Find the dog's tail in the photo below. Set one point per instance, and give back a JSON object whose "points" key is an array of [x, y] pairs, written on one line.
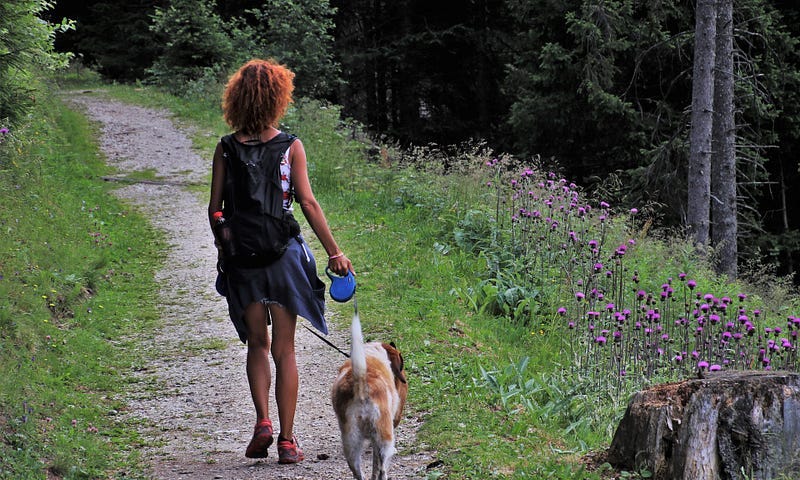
{"points": [[358, 358]]}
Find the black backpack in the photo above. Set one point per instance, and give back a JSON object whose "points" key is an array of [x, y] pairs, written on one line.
{"points": [[260, 228]]}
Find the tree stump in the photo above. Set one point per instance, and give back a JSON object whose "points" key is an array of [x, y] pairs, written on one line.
{"points": [[728, 425]]}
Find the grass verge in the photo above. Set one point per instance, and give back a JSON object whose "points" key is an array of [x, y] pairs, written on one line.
{"points": [[76, 278]]}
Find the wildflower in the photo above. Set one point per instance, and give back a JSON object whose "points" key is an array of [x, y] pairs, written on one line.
{"points": [[678, 358], [579, 296], [714, 368], [702, 364], [617, 335], [682, 276], [561, 311], [634, 211], [3, 130], [742, 297], [601, 340], [691, 284], [604, 205], [571, 325]]}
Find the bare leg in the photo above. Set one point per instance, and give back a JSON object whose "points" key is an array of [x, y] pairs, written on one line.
{"points": [[259, 375], [286, 376]]}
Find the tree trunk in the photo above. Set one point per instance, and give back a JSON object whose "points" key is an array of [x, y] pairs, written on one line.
{"points": [[729, 425], [699, 182], [724, 227]]}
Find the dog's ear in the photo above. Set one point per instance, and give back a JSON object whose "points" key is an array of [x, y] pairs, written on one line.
{"points": [[396, 361]]}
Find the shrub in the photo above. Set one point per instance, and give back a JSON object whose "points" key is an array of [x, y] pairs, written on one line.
{"points": [[26, 44]]}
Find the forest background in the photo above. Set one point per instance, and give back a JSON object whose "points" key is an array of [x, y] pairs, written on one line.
{"points": [[593, 92], [600, 91]]}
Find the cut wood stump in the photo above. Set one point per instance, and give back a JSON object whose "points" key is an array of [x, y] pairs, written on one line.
{"points": [[728, 425]]}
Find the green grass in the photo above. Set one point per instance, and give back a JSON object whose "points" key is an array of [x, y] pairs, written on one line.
{"points": [[76, 279]]}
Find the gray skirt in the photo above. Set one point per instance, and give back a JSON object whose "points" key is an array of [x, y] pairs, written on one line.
{"points": [[290, 282]]}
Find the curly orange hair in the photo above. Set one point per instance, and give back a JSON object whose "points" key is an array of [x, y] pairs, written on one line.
{"points": [[257, 96]]}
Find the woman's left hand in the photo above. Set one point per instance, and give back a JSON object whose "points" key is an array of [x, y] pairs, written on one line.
{"points": [[340, 265]]}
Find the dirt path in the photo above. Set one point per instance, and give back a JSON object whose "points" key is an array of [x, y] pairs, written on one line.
{"points": [[192, 399]]}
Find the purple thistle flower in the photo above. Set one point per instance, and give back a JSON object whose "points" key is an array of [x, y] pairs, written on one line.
{"points": [[634, 211], [3, 130], [702, 364], [561, 311], [601, 340], [678, 358], [579, 296], [571, 325], [691, 284], [604, 205], [714, 368]]}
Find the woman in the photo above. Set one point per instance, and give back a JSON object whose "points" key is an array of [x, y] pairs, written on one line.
{"points": [[255, 99]]}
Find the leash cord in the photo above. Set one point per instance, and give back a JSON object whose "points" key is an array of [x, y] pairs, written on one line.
{"points": [[355, 307], [327, 341], [347, 355]]}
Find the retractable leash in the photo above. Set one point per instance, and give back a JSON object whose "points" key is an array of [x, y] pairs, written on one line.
{"points": [[343, 288]]}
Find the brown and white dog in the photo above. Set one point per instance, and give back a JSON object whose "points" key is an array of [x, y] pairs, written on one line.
{"points": [[368, 396]]}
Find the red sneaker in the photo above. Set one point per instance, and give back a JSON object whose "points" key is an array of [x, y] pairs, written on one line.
{"points": [[262, 439], [289, 451]]}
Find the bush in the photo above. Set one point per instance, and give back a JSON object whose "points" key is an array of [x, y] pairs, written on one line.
{"points": [[26, 44], [197, 51]]}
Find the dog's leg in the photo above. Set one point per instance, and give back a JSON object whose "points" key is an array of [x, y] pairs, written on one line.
{"points": [[353, 447], [382, 452]]}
